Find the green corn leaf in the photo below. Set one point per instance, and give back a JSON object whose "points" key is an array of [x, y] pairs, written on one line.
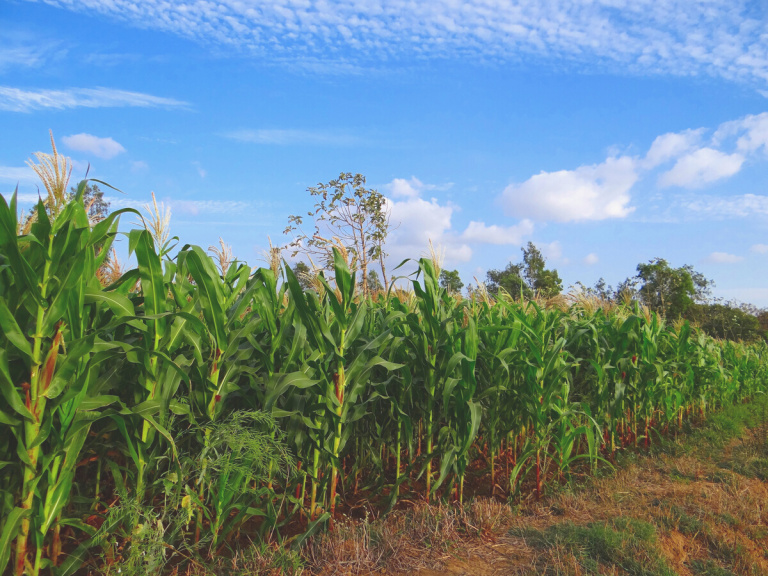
{"points": [[10, 530], [12, 331], [151, 274], [210, 295], [345, 280], [8, 390], [118, 303]]}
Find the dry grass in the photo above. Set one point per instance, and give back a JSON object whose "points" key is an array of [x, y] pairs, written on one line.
{"points": [[423, 537], [699, 508]]}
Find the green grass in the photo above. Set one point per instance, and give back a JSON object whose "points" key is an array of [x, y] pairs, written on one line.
{"points": [[709, 568], [624, 543]]}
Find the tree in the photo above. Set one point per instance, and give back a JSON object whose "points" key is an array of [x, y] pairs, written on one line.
{"points": [[374, 284], [95, 204], [510, 280], [542, 281], [303, 274], [345, 214], [671, 291], [726, 321], [450, 280], [526, 278], [600, 290]]}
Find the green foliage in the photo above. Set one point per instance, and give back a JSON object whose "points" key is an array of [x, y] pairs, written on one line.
{"points": [[726, 322], [670, 291], [374, 284], [346, 215], [303, 274], [528, 278], [625, 544], [451, 281], [510, 280]]}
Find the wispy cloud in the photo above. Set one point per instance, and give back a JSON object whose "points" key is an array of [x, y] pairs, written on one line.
{"points": [[291, 137], [412, 187], [739, 206], [723, 38], [190, 207], [17, 174], [484, 234], [21, 49], [20, 100], [723, 258], [105, 148]]}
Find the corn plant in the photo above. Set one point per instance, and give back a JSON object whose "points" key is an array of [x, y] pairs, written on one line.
{"points": [[51, 354]]}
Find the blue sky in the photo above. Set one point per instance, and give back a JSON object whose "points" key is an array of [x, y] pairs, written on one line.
{"points": [[606, 132]]}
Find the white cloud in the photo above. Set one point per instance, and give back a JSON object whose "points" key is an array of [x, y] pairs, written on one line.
{"points": [[415, 221], [105, 148], [291, 137], [590, 259], [481, 233], [553, 251], [670, 146], [17, 174], [703, 166], [751, 132], [139, 166], [723, 258], [729, 207], [721, 38], [595, 192], [402, 188], [759, 248], [602, 191], [19, 100], [202, 172]]}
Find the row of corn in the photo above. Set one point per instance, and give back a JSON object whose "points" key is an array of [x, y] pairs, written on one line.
{"points": [[125, 390]]}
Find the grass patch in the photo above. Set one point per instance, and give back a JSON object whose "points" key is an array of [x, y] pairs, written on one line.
{"points": [[709, 568], [625, 543]]}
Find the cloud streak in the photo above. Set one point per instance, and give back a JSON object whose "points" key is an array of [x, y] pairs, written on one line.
{"points": [[723, 258], [281, 137], [721, 38], [17, 174], [105, 148], [20, 100]]}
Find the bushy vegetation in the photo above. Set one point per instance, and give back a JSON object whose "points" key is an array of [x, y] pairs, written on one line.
{"points": [[181, 405]]}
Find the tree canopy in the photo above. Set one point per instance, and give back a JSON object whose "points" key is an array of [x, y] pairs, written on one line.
{"points": [[670, 291], [345, 214], [527, 278], [451, 281]]}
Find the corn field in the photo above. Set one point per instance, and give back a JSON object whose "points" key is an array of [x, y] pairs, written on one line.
{"points": [[244, 406]]}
